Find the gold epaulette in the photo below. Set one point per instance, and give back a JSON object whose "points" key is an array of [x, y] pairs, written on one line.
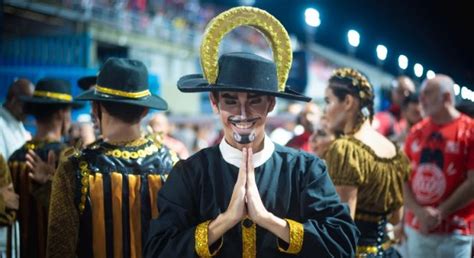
{"points": [[69, 152], [73, 151]]}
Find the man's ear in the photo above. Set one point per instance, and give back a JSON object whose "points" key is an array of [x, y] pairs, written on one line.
{"points": [[95, 108], [447, 97], [214, 103], [272, 101]]}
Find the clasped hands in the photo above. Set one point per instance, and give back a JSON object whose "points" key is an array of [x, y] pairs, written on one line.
{"points": [[246, 203], [245, 200]]}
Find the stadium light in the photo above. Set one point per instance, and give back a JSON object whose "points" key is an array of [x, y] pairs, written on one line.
{"points": [[456, 89], [353, 38], [381, 52], [430, 74], [311, 17], [403, 62], [418, 69]]}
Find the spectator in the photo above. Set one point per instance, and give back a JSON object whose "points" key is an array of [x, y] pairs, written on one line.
{"points": [[308, 117], [411, 111], [391, 122], [440, 191], [159, 124], [12, 132]]}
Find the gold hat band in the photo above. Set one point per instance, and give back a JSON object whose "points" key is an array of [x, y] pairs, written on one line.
{"points": [[52, 95], [120, 93]]}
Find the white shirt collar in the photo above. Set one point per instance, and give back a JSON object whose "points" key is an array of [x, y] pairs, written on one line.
{"points": [[234, 156]]}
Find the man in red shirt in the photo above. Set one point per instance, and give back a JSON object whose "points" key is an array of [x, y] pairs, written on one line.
{"points": [[308, 117], [440, 190], [391, 122]]}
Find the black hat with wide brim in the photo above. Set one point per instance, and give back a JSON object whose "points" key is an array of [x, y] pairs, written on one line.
{"points": [[52, 91], [123, 80], [87, 82], [241, 72]]}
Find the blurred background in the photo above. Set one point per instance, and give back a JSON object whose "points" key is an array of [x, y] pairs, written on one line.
{"points": [[383, 39]]}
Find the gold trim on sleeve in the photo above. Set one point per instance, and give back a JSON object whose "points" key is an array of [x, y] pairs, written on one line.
{"points": [[253, 17], [121, 93], [296, 237], [201, 245], [52, 95]]}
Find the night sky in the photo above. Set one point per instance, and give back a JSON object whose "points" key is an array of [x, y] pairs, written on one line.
{"points": [[434, 34]]}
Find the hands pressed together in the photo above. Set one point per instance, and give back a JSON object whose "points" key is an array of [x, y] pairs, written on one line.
{"points": [[247, 203], [245, 200]]}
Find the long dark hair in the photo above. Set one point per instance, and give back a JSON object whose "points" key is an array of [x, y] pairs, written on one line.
{"points": [[348, 81]]}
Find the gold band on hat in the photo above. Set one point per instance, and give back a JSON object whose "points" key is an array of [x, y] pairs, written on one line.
{"points": [[120, 93], [253, 17], [52, 95]]}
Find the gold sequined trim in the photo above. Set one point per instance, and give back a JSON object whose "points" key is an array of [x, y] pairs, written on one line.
{"points": [[120, 93], [85, 172], [249, 240], [363, 251], [53, 95], [124, 154], [201, 245], [256, 18], [296, 237]]}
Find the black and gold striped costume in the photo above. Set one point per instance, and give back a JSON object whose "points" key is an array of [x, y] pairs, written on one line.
{"points": [[104, 197], [34, 198], [7, 216]]}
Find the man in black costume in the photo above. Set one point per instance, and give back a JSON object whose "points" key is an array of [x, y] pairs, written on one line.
{"points": [[248, 197]]}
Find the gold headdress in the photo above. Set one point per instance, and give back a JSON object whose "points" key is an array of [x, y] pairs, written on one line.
{"points": [[253, 17], [358, 80]]}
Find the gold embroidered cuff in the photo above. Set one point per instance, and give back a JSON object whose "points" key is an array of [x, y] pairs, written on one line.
{"points": [[201, 244], [296, 237]]}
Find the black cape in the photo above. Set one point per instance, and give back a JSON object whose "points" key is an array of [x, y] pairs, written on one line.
{"points": [[292, 184]]}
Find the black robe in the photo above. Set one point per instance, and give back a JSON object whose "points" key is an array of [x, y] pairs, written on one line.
{"points": [[292, 184]]}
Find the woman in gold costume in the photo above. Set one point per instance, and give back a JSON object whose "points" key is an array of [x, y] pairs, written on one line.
{"points": [[367, 169]]}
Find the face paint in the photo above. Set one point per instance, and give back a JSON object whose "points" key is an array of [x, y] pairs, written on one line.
{"points": [[243, 130]]}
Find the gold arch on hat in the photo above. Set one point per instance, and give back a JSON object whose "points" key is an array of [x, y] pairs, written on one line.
{"points": [[253, 17]]}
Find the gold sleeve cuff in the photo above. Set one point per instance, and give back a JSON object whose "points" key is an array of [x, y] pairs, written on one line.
{"points": [[296, 238], [201, 240]]}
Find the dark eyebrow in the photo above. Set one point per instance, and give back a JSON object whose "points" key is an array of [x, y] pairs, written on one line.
{"points": [[253, 96], [228, 96]]}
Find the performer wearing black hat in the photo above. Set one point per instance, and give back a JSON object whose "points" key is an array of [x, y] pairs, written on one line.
{"points": [[87, 82], [33, 164], [248, 197], [104, 196]]}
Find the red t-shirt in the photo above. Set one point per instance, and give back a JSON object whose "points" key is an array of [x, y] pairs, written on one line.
{"points": [[300, 142], [441, 156]]}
